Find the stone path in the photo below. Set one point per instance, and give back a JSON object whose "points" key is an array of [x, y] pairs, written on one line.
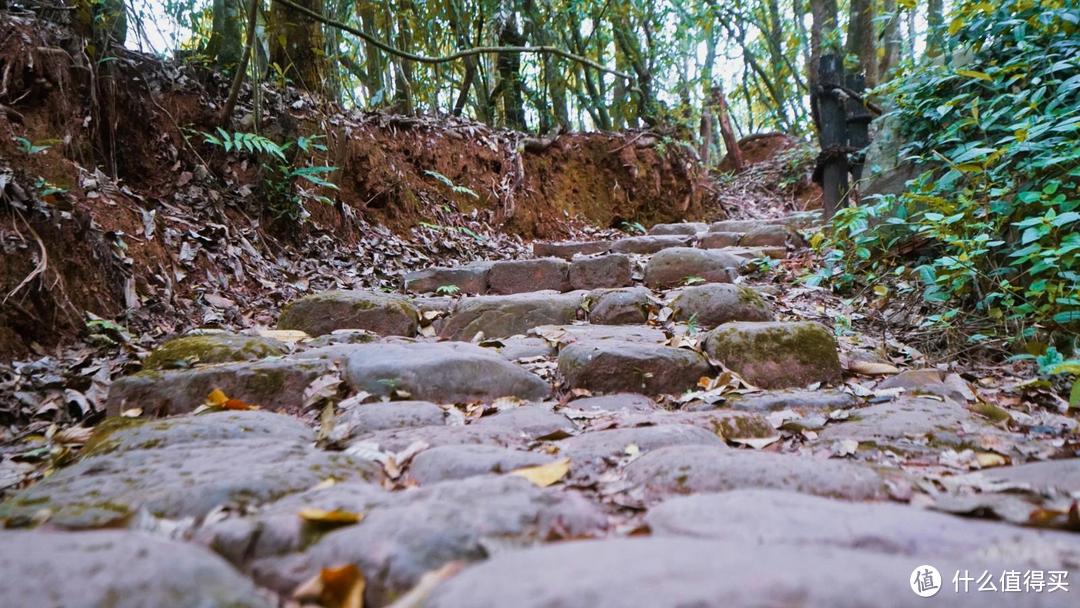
{"points": [[538, 432]]}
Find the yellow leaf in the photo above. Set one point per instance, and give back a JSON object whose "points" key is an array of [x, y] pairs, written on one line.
{"points": [[337, 517], [817, 239], [337, 587], [989, 459], [217, 397], [974, 74], [289, 336], [546, 474], [870, 368], [881, 290]]}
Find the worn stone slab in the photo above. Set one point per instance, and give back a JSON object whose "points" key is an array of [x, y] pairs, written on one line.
{"points": [[442, 372], [118, 569], [322, 313], [595, 447], [461, 461], [909, 424], [930, 382], [627, 306], [504, 316], [396, 440], [615, 366], [568, 249], [277, 529], [606, 271], [186, 351], [569, 334], [673, 267], [366, 418], [772, 235], [1048, 477], [736, 225], [719, 303], [681, 228], [271, 384], [521, 276], [645, 245], [530, 422], [694, 469], [776, 354], [619, 402], [121, 434], [343, 336], [464, 519], [678, 572], [176, 481], [718, 240], [470, 279], [778, 517], [796, 399], [523, 347]]}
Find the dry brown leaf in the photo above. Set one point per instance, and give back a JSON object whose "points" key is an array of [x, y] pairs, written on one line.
{"points": [[336, 587], [546, 474], [218, 398]]}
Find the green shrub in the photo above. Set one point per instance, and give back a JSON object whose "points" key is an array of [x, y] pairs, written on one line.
{"points": [[989, 233]]}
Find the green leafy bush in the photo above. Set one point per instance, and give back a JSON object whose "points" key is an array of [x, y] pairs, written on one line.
{"points": [[989, 233]]}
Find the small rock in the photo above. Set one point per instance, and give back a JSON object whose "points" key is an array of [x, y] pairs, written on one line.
{"points": [[462, 461], [597, 446], [606, 271], [718, 240], [271, 384], [212, 348], [619, 402], [521, 276], [649, 244], [776, 355], [568, 249], [568, 334], [674, 267], [361, 419], [794, 399], [683, 228], [716, 304], [690, 469], [628, 306], [530, 422], [322, 313], [504, 316], [909, 424], [621, 366], [523, 347], [470, 279], [443, 372], [774, 235], [931, 382]]}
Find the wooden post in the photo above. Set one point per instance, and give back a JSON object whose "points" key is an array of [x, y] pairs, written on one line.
{"points": [[832, 135], [730, 142], [858, 124]]}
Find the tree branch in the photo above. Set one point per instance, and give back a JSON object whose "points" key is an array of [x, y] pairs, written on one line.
{"points": [[480, 50]]}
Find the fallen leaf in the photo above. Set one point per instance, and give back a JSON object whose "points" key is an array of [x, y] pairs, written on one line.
{"points": [[218, 398], [844, 447], [417, 596], [546, 474], [990, 459], [336, 587], [755, 442], [336, 517], [289, 336]]}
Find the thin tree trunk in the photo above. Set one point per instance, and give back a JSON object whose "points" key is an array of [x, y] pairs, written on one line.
{"points": [[860, 39], [510, 75], [730, 141], [935, 43], [226, 38], [890, 40], [296, 44]]}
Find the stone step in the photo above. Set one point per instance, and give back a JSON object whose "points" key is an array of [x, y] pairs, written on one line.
{"points": [[613, 366], [442, 372], [679, 266], [673, 571], [521, 276], [776, 354]]}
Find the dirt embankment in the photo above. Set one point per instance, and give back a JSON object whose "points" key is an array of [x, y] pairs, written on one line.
{"points": [[112, 204]]}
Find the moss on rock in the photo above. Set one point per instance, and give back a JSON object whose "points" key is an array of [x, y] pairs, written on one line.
{"points": [[212, 348]]}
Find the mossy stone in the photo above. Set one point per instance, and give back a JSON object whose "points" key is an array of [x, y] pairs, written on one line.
{"points": [[212, 348], [322, 313], [776, 355]]}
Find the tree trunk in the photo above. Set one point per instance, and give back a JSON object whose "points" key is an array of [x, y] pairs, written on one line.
{"points": [[226, 41], [890, 40], [296, 45], [822, 39], [860, 39], [509, 65], [730, 142], [935, 42], [403, 68]]}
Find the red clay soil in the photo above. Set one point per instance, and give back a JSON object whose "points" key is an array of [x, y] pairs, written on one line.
{"points": [[133, 210]]}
